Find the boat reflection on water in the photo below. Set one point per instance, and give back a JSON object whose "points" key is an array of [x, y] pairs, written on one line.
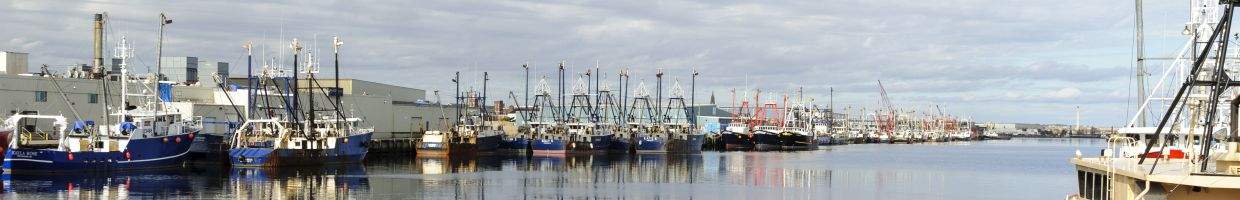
{"points": [[342, 181], [118, 185], [839, 172]]}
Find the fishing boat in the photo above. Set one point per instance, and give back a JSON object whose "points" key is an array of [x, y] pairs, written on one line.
{"points": [[481, 124], [475, 131], [684, 139], [736, 137], [584, 138], [551, 141], [148, 133], [823, 132], [795, 139], [1189, 151], [650, 138], [679, 125], [737, 134], [582, 122], [545, 122], [623, 140], [796, 128], [436, 142], [514, 139], [518, 143], [463, 140], [55, 149], [766, 138], [609, 118], [299, 134]]}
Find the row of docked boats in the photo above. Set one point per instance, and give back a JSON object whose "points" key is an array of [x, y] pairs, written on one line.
{"points": [[797, 124], [282, 126], [592, 118]]}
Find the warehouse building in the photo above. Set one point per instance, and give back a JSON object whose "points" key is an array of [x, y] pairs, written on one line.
{"points": [[394, 111]]}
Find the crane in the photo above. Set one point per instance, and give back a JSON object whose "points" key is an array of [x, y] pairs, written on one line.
{"points": [[887, 124]]}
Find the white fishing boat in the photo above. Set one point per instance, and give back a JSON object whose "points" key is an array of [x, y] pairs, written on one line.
{"points": [[1189, 152]]}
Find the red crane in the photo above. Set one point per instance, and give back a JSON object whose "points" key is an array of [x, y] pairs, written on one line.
{"points": [[886, 124]]}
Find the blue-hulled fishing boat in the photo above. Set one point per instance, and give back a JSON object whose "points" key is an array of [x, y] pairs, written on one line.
{"points": [[302, 134]]}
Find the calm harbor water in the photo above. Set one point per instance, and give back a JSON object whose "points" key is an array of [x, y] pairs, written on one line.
{"points": [[1011, 169]]}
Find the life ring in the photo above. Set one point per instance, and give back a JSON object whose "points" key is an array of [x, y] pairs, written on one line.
{"points": [[70, 156], [178, 139], [127, 156]]}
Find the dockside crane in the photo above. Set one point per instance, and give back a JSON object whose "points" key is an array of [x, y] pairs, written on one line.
{"points": [[886, 123]]}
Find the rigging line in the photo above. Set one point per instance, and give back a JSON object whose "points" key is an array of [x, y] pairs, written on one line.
{"points": [[76, 115]]}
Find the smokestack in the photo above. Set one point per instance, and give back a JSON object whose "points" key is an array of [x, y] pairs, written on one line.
{"points": [[98, 45]]}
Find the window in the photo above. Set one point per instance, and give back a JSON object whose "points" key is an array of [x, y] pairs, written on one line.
{"points": [[40, 96], [92, 98]]}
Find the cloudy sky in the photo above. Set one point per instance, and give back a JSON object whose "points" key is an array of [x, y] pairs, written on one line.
{"points": [[1002, 61]]}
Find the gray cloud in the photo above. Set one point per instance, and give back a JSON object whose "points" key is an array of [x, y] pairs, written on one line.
{"points": [[971, 53]]}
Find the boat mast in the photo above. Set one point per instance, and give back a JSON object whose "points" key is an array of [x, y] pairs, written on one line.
{"points": [[310, 85], [249, 79], [456, 81], [336, 90], [482, 103], [526, 95], [159, 53], [295, 87], [124, 52], [562, 115], [624, 92], [1140, 68], [658, 97], [693, 99]]}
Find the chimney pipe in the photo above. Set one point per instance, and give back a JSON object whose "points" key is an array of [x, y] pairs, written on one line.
{"points": [[98, 34]]}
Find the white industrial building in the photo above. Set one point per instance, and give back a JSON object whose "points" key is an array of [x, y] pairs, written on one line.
{"points": [[14, 62], [394, 111]]}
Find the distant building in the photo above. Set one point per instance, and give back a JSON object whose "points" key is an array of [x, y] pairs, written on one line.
{"points": [[192, 70], [14, 63], [207, 70], [179, 69]]}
